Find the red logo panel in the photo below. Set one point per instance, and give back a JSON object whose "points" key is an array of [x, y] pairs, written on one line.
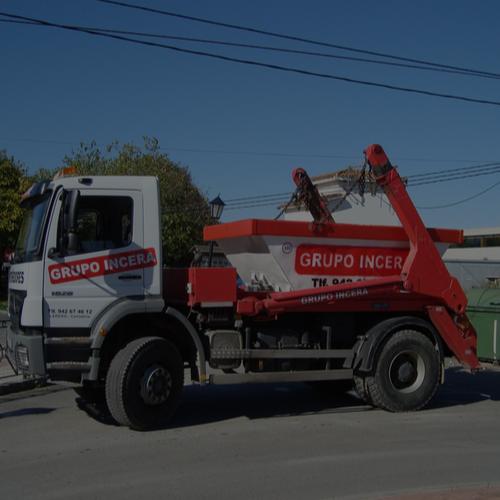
{"points": [[324, 260], [100, 266]]}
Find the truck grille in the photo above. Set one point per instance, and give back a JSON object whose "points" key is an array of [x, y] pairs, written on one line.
{"points": [[16, 301]]}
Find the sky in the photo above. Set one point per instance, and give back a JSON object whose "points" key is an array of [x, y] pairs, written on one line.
{"points": [[242, 129]]}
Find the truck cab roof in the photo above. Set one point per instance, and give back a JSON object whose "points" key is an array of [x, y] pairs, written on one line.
{"points": [[106, 182]]}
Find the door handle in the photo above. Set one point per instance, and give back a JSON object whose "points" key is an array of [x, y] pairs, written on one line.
{"points": [[129, 277]]}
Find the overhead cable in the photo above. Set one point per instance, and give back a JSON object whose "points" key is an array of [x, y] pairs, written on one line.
{"points": [[276, 67], [265, 48], [292, 37], [459, 202], [252, 153], [421, 179]]}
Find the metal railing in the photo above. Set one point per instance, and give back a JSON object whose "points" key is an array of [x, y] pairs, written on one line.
{"points": [[4, 323]]}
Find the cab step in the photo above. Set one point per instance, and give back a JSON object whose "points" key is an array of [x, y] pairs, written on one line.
{"points": [[69, 365], [68, 341]]}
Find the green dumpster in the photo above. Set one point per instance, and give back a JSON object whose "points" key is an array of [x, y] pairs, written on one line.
{"points": [[483, 311]]}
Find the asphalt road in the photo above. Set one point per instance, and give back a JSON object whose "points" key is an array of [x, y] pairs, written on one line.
{"points": [[256, 442]]}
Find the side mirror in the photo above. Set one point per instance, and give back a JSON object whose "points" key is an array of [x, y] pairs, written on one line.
{"points": [[69, 229], [53, 253]]}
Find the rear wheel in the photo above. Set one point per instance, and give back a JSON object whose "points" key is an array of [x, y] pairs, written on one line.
{"points": [[144, 383], [407, 372]]}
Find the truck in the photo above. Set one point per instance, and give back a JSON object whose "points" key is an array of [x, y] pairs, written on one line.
{"points": [[346, 305]]}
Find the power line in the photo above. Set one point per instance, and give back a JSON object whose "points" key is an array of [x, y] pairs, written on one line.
{"points": [[455, 178], [424, 179], [261, 205], [292, 37], [264, 47], [257, 199], [249, 62], [261, 196], [432, 207], [284, 200], [274, 198], [255, 153], [468, 168], [264, 153], [459, 202], [446, 176]]}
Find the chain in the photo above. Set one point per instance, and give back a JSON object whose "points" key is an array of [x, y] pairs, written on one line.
{"points": [[293, 199], [360, 181]]}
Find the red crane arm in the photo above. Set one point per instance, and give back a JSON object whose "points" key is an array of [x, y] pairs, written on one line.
{"points": [[424, 277], [308, 194]]}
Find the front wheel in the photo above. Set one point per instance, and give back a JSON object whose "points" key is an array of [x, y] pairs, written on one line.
{"points": [[92, 394], [407, 372], [360, 384], [144, 383]]}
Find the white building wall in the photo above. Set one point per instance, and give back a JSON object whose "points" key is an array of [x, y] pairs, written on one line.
{"points": [[473, 267], [355, 209]]}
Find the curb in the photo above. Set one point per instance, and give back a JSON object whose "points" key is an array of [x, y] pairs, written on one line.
{"points": [[21, 385]]}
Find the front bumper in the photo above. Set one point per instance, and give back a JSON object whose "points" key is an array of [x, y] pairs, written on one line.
{"points": [[25, 353]]}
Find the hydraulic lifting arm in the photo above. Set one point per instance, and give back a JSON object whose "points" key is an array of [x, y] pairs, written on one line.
{"points": [[424, 271], [308, 194], [424, 277]]}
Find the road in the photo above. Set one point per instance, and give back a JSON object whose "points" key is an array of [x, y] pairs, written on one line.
{"points": [[255, 442]]}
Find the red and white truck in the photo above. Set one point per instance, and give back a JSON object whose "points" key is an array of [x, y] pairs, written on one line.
{"points": [[90, 303]]}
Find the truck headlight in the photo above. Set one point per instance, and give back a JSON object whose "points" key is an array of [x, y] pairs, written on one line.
{"points": [[22, 357]]}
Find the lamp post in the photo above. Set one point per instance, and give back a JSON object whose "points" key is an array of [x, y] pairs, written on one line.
{"points": [[216, 209]]}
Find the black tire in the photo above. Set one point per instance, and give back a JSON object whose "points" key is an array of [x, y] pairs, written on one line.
{"points": [[144, 383], [361, 388], [407, 372], [91, 393]]}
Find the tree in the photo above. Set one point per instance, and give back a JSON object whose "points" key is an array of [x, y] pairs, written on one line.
{"points": [[13, 182], [184, 208]]}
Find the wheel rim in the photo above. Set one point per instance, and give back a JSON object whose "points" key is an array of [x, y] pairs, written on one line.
{"points": [[156, 385], [407, 371]]}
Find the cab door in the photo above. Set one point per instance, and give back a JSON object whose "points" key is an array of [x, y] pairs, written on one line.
{"points": [[107, 265]]}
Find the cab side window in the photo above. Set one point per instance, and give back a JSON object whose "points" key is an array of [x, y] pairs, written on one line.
{"points": [[104, 222]]}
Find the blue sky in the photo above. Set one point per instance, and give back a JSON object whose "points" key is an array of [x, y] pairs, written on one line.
{"points": [[59, 88]]}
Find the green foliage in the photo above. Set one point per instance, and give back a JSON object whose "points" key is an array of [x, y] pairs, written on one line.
{"points": [[184, 208], [13, 182]]}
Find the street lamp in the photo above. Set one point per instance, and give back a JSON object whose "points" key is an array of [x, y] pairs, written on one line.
{"points": [[216, 209]]}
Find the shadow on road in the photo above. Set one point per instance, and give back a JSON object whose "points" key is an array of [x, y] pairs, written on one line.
{"points": [[203, 405], [26, 411], [462, 388]]}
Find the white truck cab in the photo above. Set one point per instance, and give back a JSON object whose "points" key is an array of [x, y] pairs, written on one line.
{"points": [[84, 254]]}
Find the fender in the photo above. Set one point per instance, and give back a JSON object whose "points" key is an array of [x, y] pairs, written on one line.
{"points": [[202, 366], [368, 346], [109, 317]]}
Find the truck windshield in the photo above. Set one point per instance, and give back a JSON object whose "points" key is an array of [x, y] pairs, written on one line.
{"points": [[28, 241]]}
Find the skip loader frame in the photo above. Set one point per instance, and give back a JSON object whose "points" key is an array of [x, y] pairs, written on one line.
{"points": [[424, 286]]}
